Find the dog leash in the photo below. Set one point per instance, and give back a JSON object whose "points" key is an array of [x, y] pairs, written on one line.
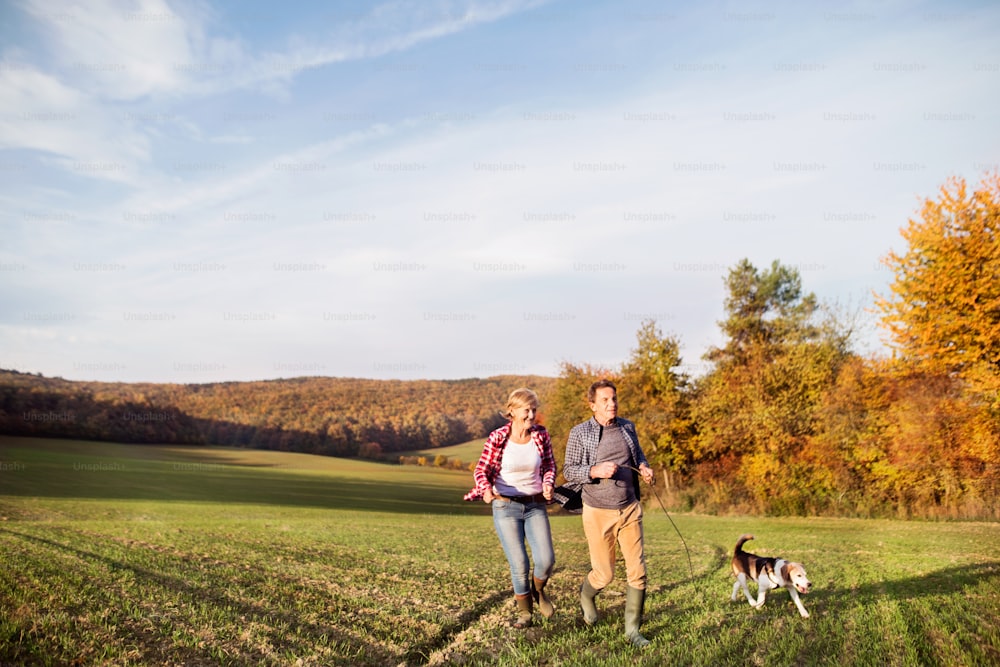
{"points": [[664, 508]]}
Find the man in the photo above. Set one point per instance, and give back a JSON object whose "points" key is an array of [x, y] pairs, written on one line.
{"points": [[602, 457]]}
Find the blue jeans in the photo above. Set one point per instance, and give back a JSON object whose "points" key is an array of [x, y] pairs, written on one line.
{"points": [[515, 522]]}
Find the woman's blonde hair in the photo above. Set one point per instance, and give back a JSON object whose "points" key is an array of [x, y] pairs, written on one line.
{"points": [[520, 398]]}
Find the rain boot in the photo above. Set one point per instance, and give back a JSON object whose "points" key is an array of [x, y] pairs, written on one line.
{"points": [[587, 595], [635, 600]]}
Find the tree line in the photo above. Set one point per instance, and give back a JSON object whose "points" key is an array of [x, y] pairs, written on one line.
{"points": [[317, 415], [789, 420]]}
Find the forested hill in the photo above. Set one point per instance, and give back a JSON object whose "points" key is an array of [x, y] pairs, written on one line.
{"points": [[320, 415]]}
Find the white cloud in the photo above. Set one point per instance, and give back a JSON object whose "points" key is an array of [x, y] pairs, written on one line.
{"points": [[46, 115], [117, 49]]}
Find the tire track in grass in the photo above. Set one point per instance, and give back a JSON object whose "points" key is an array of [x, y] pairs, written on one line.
{"points": [[434, 651], [243, 608]]}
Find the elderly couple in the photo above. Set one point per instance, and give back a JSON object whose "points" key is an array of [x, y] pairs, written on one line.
{"points": [[516, 476]]}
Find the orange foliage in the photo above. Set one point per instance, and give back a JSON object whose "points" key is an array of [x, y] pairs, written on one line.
{"points": [[944, 311], [333, 416]]}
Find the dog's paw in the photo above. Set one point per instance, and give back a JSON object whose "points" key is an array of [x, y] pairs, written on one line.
{"points": [[805, 614]]}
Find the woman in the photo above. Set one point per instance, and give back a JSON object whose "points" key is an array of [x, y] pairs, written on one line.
{"points": [[516, 475]]}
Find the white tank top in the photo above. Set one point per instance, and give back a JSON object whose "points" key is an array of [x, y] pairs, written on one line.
{"points": [[520, 470]]}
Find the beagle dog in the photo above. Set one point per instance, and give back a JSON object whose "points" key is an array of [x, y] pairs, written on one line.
{"points": [[769, 573]]}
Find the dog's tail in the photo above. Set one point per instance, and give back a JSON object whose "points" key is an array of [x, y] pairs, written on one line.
{"points": [[740, 542]]}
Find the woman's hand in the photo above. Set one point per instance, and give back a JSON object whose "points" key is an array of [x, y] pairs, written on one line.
{"points": [[488, 496], [547, 491]]}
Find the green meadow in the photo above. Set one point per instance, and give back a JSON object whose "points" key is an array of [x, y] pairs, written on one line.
{"points": [[467, 452], [151, 555]]}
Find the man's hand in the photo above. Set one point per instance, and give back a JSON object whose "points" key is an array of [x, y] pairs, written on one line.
{"points": [[488, 496], [647, 474], [547, 491], [603, 470]]}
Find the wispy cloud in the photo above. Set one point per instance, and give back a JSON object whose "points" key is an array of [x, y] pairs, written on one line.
{"points": [[106, 59], [128, 49], [387, 28], [70, 129], [116, 50]]}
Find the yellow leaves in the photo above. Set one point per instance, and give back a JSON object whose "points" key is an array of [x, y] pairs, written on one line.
{"points": [[944, 310]]}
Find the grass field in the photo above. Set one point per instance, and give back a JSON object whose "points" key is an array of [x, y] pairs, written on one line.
{"points": [[139, 555], [467, 452]]}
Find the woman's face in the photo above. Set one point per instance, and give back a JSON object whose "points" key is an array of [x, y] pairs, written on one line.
{"points": [[524, 415]]}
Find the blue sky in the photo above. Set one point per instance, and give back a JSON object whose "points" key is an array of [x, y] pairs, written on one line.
{"points": [[206, 191]]}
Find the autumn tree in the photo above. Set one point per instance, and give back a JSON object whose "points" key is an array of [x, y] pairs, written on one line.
{"points": [[654, 396], [765, 311], [943, 319], [767, 315], [651, 391], [943, 313], [756, 409], [567, 405], [330, 416]]}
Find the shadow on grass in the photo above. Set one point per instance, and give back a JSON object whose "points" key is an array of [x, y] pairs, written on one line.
{"points": [[941, 582], [421, 653], [247, 612], [739, 620], [945, 582]]}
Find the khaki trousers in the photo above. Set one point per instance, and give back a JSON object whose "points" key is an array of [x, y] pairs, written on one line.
{"points": [[605, 529]]}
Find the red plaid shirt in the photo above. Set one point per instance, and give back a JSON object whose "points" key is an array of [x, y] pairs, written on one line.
{"points": [[489, 462]]}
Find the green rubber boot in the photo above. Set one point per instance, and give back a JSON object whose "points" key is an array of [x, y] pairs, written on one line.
{"points": [[587, 595], [635, 600]]}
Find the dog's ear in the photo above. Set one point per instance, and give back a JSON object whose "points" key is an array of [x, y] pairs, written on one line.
{"points": [[785, 576]]}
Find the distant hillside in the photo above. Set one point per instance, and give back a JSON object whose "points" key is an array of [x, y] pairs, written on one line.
{"points": [[333, 416]]}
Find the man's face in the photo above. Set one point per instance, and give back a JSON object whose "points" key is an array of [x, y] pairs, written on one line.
{"points": [[605, 404]]}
